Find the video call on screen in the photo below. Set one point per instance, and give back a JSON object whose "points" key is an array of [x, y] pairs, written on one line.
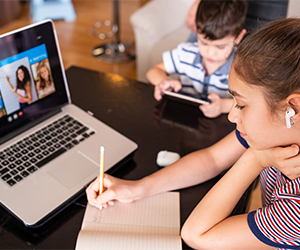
{"points": [[29, 74]]}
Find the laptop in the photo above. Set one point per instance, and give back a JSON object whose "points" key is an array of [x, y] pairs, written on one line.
{"points": [[49, 147]]}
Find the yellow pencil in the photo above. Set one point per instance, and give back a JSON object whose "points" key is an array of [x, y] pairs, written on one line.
{"points": [[101, 172]]}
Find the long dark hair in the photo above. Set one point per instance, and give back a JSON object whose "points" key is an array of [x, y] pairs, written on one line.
{"points": [[21, 84]]}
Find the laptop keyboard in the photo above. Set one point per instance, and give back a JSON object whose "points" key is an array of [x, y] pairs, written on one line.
{"points": [[33, 152]]}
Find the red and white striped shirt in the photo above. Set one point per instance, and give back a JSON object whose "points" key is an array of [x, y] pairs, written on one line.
{"points": [[277, 223]]}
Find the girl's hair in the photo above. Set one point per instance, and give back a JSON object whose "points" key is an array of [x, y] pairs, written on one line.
{"points": [[21, 84], [270, 58], [42, 81], [218, 19]]}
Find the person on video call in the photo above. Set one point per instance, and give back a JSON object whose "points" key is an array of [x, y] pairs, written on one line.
{"points": [[45, 85], [22, 89]]}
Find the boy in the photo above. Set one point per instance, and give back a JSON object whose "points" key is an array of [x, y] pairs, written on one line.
{"points": [[204, 67]]}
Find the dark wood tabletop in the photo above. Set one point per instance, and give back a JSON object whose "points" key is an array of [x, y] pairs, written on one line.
{"points": [[129, 107]]}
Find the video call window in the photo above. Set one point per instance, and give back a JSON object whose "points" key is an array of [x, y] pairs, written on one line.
{"points": [[24, 79]]}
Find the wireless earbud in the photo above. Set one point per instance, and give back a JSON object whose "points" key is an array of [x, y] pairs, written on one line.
{"points": [[288, 114]]}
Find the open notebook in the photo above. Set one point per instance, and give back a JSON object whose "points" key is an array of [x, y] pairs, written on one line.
{"points": [[149, 223]]}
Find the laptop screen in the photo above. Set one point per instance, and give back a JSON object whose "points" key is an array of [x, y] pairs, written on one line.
{"points": [[32, 85]]}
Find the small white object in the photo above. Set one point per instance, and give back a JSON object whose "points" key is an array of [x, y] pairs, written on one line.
{"points": [[288, 114], [165, 158], [90, 113]]}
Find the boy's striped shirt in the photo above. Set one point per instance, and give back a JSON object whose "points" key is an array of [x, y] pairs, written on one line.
{"points": [[186, 61]]}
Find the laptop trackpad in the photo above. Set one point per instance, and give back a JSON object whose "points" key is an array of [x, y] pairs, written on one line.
{"points": [[73, 170]]}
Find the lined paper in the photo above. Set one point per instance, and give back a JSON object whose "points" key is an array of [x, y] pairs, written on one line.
{"points": [[149, 223]]}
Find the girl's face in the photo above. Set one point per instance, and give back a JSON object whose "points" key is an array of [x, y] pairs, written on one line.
{"points": [[44, 73], [20, 75], [253, 117]]}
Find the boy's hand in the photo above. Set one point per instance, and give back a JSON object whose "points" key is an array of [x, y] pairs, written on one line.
{"points": [[213, 109], [114, 189], [285, 159], [166, 85]]}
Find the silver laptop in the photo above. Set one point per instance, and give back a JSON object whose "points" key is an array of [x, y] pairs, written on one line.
{"points": [[49, 148]]}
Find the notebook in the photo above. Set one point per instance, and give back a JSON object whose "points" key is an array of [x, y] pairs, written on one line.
{"points": [[150, 223], [49, 147]]}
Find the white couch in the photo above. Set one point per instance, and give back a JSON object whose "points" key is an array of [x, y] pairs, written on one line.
{"points": [[158, 26]]}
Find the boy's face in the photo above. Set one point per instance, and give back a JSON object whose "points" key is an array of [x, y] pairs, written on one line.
{"points": [[216, 51]]}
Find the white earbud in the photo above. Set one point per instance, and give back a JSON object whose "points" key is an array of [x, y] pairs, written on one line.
{"points": [[288, 114]]}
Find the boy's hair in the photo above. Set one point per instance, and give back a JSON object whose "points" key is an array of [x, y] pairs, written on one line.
{"points": [[270, 58], [218, 19]]}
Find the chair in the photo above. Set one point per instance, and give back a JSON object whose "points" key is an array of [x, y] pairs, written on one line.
{"points": [[158, 26]]}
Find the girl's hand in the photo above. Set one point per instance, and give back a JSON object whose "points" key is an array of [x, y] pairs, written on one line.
{"points": [[114, 189], [166, 85], [285, 159], [18, 95]]}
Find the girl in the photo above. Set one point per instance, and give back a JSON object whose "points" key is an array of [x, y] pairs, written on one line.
{"points": [[23, 88], [45, 85], [265, 82]]}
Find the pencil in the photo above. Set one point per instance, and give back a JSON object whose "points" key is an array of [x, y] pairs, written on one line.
{"points": [[101, 172]]}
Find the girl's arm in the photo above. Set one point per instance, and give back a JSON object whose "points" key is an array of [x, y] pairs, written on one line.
{"points": [[190, 170], [210, 225], [9, 84], [28, 92], [196, 167], [38, 86]]}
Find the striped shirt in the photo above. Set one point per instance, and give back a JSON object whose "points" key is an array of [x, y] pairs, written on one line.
{"points": [[186, 61], [277, 223]]}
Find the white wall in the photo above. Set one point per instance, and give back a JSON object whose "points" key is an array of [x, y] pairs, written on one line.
{"points": [[293, 8]]}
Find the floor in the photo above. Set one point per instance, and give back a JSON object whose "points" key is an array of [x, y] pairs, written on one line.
{"points": [[76, 41]]}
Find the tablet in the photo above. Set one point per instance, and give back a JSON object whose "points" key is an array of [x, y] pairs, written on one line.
{"points": [[193, 99]]}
